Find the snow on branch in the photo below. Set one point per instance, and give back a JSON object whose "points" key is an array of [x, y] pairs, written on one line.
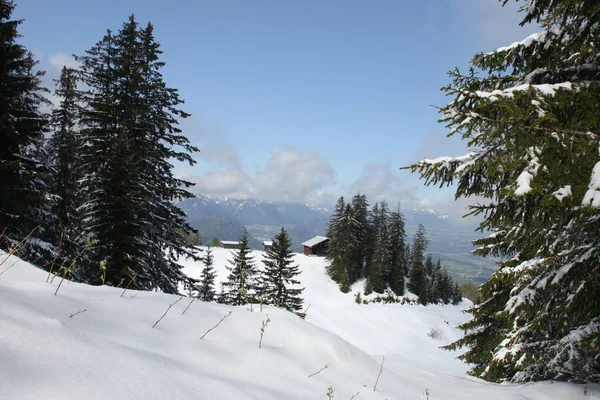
{"points": [[528, 41], [545, 89], [461, 162], [592, 196], [525, 178]]}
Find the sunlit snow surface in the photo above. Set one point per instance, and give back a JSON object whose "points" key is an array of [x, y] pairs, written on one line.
{"points": [[111, 350]]}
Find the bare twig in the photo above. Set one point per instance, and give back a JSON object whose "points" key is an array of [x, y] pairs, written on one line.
{"points": [[66, 271], [13, 250], [353, 396], [170, 305], [188, 306], [129, 284], [77, 313], [55, 258], [325, 367], [307, 309], [219, 323], [9, 267], [378, 375], [135, 294]]}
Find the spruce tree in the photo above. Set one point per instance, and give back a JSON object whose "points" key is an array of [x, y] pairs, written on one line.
{"points": [[340, 247], [131, 137], [22, 126], [360, 236], [418, 274], [242, 275], [279, 278], [206, 290], [529, 113], [397, 252], [380, 262], [64, 151]]}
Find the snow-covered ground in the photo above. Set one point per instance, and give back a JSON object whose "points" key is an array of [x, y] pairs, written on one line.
{"points": [[111, 351]]}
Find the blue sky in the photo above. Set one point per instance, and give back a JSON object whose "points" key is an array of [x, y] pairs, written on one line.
{"points": [[298, 100]]}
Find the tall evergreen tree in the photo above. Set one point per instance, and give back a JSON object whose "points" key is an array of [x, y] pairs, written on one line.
{"points": [[131, 135], [242, 275], [397, 251], [380, 262], [279, 278], [206, 290], [531, 117], [21, 132], [64, 151], [360, 236], [418, 274], [340, 245]]}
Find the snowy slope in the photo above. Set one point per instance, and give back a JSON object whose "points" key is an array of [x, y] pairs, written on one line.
{"points": [[111, 350]]}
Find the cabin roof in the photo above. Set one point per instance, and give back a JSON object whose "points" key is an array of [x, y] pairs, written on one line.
{"points": [[315, 241]]}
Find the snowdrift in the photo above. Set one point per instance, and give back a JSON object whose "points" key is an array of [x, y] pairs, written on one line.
{"points": [[110, 350]]}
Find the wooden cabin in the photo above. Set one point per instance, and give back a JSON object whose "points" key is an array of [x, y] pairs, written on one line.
{"points": [[231, 244], [316, 246], [267, 244]]}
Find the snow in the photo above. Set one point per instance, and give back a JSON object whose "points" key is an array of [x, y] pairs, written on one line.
{"points": [[592, 196], [545, 89], [525, 178], [563, 192], [111, 351], [314, 241], [528, 41]]}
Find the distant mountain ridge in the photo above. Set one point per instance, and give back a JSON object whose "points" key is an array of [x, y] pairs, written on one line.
{"points": [[226, 219], [253, 212]]}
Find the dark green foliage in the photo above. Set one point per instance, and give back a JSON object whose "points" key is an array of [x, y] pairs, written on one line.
{"points": [[397, 243], [130, 135], [418, 274], [242, 276], [21, 133], [206, 289], [340, 245], [380, 263], [530, 115], [279, 285], [361, 236], [65, 147]]}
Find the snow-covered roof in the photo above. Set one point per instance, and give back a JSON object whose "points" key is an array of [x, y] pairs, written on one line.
{"points": [[314, 241], [230, 242], [267, 243]]}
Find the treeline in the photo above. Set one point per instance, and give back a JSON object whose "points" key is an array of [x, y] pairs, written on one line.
{"points": [[276, 284], [372, 244], [98, 196]]}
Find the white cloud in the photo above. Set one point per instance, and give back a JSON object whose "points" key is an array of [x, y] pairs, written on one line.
{"points": [[60, 60], [289, 175]]}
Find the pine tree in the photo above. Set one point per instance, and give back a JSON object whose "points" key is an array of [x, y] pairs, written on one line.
{"points": [[207, 279], [279, 278], [242, 275], [380, 262], [397, 252], [131, 137], [22, 126], [530, 117], [64, 154], [418, 274], [360, 236], [340, 246]]}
